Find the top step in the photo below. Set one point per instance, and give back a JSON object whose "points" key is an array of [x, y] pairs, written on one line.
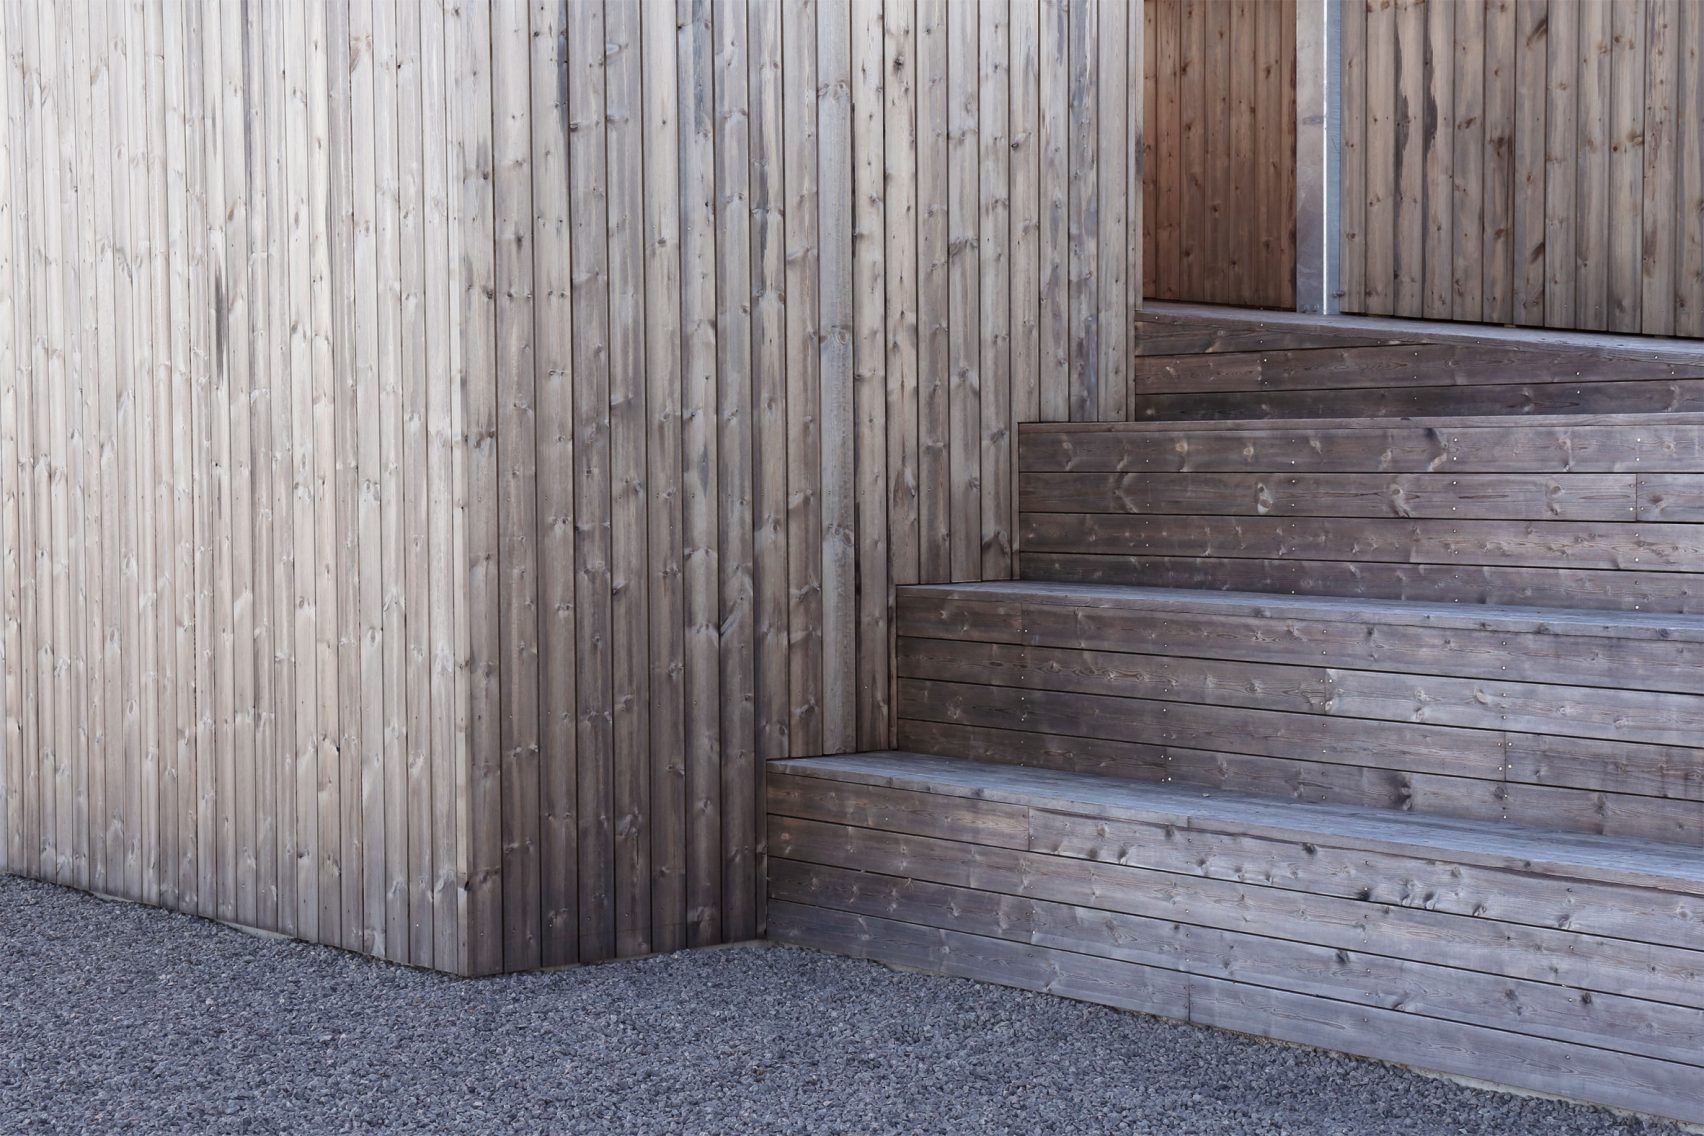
{"points": [[1241, 378]]}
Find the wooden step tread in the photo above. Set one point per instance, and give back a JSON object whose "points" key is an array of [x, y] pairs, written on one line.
{"points": [[1450, 422], [1491, 617], [1617, 860]]}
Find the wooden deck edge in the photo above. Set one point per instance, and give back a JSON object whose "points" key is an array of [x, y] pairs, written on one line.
{"points": [[1434, 1045], [1621, 346], [1419, 422], [1273, 605], [1613, 860]]}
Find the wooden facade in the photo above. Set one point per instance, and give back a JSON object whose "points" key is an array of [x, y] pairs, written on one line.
{"points": [[1525, 162], [448, 448], [1219, 106]]}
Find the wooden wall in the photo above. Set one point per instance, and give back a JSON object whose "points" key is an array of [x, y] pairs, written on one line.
{"points": [[446, 449], [236, 534], [1219, 201], [1525, 161]]}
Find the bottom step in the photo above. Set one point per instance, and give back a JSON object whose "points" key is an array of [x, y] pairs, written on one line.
{"points": [[1553, 962]]}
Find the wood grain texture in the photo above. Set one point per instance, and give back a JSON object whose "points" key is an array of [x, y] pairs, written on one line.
{"points": [[1219, 75], [1568, 180], [1063, 882], [530, 406]]}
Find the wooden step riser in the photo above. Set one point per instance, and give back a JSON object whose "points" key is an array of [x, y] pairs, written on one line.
{"points": [[1540, 787], [1534, 1064], [1568, 983], [1383, 366], [1399, 401], [1609, 713], [1615, 497], [1586, 732], [1680, 593], [1609, 445], [1564, 513], [1256, 957], [1246, 378], [1548, 652]]}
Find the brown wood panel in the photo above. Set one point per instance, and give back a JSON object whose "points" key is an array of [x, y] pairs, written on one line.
{"points": [[1222, 141]]}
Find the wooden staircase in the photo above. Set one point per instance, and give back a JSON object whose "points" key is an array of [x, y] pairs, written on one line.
{"points": [[1383, 735]]}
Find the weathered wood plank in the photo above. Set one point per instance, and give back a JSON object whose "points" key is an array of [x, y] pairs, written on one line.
{"points": [[965, 476], [1352, 249], [1527, 217], [627, 798], [1650, 397], [1689, 134], [995, 268], [480, 801], [1560, 544], [552, 356], [1496, 241], [517, 501], [1562, 33], [1614, 590], [1591, 220], [1433, 364], [1408, 121], [1450, 994], [980, 822], [1530, 706], [588, 214], [902, 223], [1463, 445], [1627, 139], [741, 774], [804, 522], [1544, 954], [1438, 152], [700, 492], [663, 405], [771, 705], [870, 368], [837, 375], [1580, 497], [1660, 221]]}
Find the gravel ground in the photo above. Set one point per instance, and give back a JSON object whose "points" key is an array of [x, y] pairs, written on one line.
{"points": [[120, 1018]]}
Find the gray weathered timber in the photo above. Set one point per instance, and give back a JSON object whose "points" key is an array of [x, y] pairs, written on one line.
{"points": [[1162, 920]]}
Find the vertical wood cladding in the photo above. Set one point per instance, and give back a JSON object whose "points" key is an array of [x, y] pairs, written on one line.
{"points": [[1531, 162], [448, 448]]}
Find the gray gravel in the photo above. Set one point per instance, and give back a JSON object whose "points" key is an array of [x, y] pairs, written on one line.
{"points": [[119, 1018]]}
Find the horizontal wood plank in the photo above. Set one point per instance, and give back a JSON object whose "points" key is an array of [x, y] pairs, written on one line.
{"points": [[1681, 593], [1548, 954], [1420, 364], [1246, 956], [1543, 446], [1562, 497], [1561, 544]]}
